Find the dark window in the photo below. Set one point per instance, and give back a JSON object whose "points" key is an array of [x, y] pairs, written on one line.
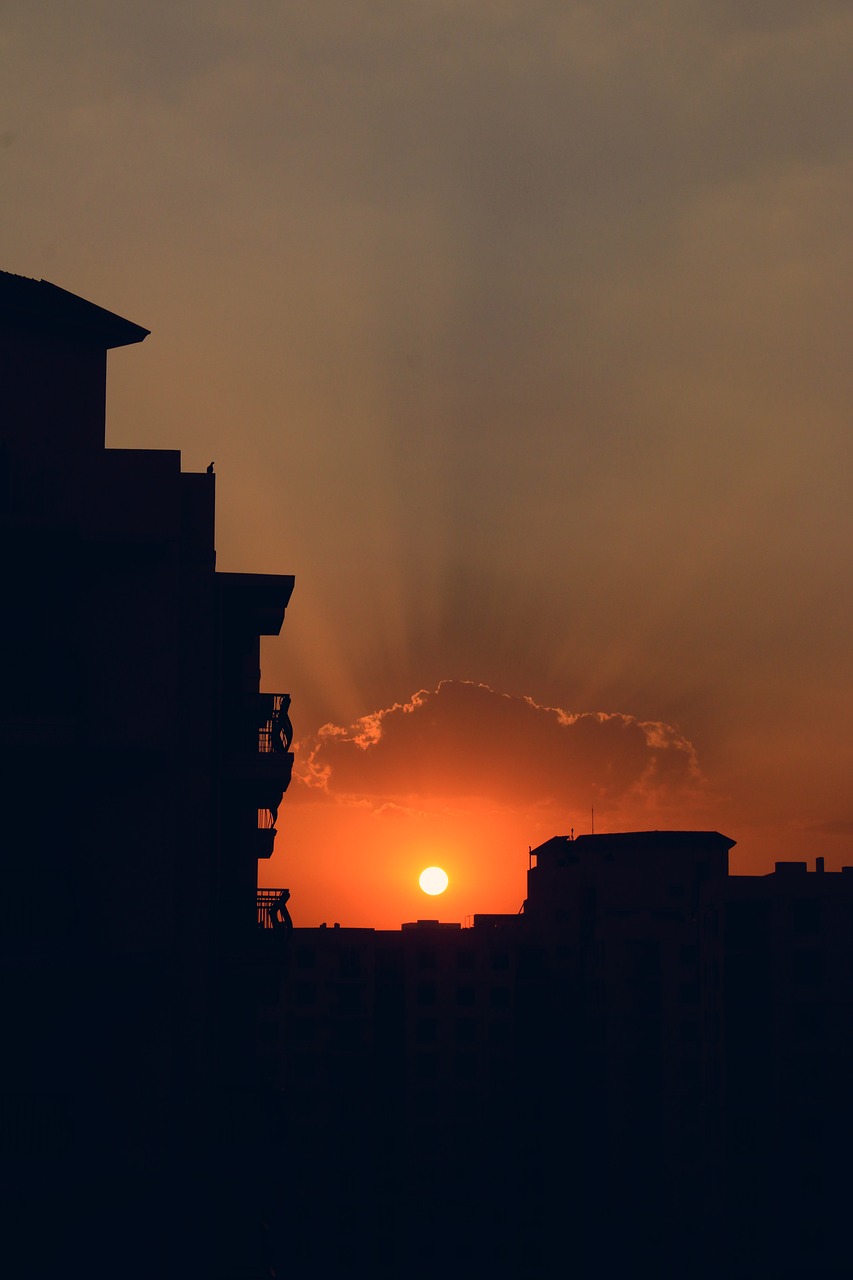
{"points": [[349, 963], [426, 959], [465, 1031], [348, 1000], [499, 997], [808, 968], [500, 960], [347, 1035], [747, 924], [689, 954], [305, 957], [808, 1022], [268, 988], [499, 1034], [644, 958], [465, 995], [304, 1067], [689, 1031], [426, 1030], [465, 959], [306, 993], [389, 965], [426, 993], [531, 964], [805, 915], [690, 1072]]}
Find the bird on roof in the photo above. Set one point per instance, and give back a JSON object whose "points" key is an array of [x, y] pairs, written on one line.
{"points": [[210, 469]]}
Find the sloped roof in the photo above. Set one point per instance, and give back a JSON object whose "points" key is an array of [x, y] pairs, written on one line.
{"points": [[38, 305]]}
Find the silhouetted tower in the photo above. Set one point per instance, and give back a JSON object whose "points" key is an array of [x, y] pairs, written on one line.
{"points": [[139, 781]]}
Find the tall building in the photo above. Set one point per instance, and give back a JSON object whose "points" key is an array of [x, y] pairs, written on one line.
{"points": [[644, 1071], [142, 771], [534, 1084], [781, 949]]}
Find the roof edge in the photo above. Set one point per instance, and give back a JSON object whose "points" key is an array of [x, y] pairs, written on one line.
{"points": [[47, 308]]}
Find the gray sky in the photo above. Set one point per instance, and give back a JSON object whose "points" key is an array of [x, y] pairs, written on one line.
{"points": [[518, 332]]}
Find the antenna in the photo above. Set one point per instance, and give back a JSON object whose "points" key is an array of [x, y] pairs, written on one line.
{"points": [[592, 811]]}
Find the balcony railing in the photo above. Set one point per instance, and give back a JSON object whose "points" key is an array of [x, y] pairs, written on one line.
{"points": [[276, 732], [269, 900]]}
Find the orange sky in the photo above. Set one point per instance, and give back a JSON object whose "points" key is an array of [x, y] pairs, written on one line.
{"points": [[519, 333]]}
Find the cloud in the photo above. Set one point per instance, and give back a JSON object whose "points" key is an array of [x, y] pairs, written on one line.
{"points": [[465, 740]]}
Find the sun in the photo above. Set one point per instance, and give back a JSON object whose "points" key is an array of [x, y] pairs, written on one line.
{"points": [[433, 880]]}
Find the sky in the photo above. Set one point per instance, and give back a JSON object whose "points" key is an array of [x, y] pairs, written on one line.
{"points": [[519, 333]]}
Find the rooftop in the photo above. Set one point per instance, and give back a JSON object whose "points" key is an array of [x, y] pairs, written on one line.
{"points": [[38, 305]]}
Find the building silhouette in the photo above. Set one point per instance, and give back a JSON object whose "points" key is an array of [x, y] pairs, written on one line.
{"points": [[645, 1070], [142, 769]]}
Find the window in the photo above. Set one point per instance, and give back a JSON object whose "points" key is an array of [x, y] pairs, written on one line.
{"points": [[499, 1034], [268, 1034], [808, 968], [349, 1000], [268, 988], [644, 958], [465, 1066], [808, 1022], [347, 1035], [689, 1031], [349, 963], [426, 1031], [805, 915]]}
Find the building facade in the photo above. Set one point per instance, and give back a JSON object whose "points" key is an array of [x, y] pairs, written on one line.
{"points": [[142, 768], [644, 1069]]}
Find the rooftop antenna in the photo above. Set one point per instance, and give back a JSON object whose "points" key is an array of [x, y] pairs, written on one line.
{"points": [[592, 812]]}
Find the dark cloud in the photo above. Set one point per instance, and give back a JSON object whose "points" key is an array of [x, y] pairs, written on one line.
{"points": [[466, 740]]}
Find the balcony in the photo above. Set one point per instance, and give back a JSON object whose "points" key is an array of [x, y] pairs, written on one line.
{"points": [[275, 733], [268, 901], [266, 770], [265, 834]]}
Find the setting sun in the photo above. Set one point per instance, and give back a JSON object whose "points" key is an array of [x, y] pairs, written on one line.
{"points": [[433, 880]]}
